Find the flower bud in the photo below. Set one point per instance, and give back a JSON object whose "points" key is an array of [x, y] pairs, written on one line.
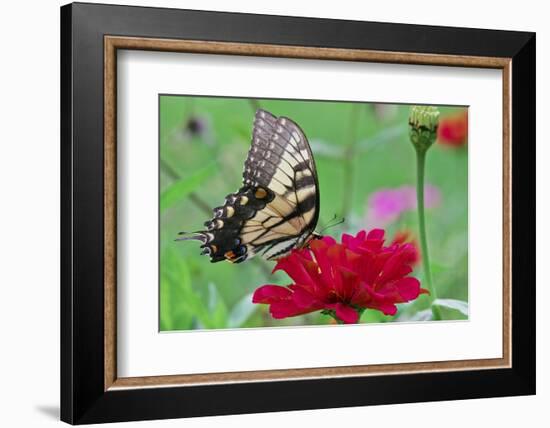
{"points": [[423, 122]]}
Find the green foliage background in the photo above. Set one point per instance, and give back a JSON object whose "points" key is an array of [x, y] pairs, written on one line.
{"points": [[359, 148]]}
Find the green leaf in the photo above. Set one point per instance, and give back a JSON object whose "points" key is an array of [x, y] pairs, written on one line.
{"points": [[173, 314], [166, 318], [240, 313], [374, 316], [182, 188], [457, 305], [216, 307], [182, 303], [425, 315]]}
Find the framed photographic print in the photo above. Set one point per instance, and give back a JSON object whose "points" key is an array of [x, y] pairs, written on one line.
{"points": [[260, 209]]}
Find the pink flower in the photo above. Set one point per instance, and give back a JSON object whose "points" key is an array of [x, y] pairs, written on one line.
{"points": [[453, 129], [386, 205], [343, 279]]}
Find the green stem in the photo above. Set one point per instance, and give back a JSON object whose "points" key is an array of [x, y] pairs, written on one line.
{"points": [[349, 162], [420, 168], [254, 105]]}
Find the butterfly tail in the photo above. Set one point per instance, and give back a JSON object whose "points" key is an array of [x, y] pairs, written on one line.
{"points": [[192, 236]]}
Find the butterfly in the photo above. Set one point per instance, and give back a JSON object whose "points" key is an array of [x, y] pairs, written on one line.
{"points": [[277, 207]]}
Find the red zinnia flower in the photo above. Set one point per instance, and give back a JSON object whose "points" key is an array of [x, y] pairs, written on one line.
{"points": [[453, 130], [344, 279]]}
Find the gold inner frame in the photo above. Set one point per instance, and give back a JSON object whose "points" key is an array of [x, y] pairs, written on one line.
{"points": [[113, 43]]}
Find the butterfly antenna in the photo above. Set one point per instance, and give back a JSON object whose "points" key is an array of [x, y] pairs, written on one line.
{"points": [[333, 223]]}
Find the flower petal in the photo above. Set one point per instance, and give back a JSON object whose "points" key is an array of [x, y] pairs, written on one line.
{"points": [[270, 294], [302, 298], [376, 234], [290, 308], [329, 240], [279, 310], [348, 284], [345, 313], [387, 308], [347, 239], [397, 266], [408, 288], [294, 267], [325, 266]]}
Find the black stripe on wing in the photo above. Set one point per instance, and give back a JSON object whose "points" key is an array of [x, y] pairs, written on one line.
{"points": [[221, 240]]}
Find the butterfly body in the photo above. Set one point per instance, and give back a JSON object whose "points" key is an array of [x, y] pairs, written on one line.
{"points": [[277, 207]]}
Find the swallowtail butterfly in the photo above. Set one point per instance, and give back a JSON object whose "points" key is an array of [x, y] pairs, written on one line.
{"points": [[277, 207]]}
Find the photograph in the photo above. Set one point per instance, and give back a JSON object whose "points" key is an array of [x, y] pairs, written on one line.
{"points": [[284, 212], [267, 211]]}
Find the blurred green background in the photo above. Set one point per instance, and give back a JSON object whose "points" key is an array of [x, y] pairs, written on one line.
{"points": [[359, 149]]}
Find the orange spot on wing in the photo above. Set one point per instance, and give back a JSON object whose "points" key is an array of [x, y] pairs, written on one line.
{"points": [[260, 193]]}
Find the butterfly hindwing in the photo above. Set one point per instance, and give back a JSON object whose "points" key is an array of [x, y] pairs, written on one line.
{"points": [[277, 207]]}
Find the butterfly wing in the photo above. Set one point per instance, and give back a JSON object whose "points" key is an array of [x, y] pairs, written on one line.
{"points": [[281, 160], [277, 207]]}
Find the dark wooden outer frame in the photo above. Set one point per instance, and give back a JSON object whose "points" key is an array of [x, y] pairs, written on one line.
{"points": [[90, 34]]}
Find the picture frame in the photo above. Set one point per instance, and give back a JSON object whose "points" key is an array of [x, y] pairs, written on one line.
{"points": [[91, 36]]}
